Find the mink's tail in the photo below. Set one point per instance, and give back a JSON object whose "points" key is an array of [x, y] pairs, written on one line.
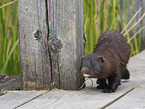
{"points": [[126, 74]]}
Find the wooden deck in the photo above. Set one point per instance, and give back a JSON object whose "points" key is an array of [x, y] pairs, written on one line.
{"points": [[130, 95]]}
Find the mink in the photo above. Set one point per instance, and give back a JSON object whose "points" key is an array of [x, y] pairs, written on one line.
{"points": [[108, 61]]}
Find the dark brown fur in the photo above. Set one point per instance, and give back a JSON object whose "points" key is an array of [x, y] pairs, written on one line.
{"points": [[108, 61]]}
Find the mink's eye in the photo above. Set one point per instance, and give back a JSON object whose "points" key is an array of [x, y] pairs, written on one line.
{"points": [[92, 64]]}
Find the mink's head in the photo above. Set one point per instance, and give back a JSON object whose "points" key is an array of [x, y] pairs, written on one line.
{"points": [[92, 66]]}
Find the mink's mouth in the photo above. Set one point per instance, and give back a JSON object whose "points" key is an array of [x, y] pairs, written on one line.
{"points": [[85, 71], [86, 75], [90, 75]]}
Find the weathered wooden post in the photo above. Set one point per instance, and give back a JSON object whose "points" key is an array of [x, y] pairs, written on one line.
{"points": [[51, 43]]}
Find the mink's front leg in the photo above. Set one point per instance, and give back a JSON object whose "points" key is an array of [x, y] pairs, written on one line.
{"points": [[113, 83], [102, 83]]}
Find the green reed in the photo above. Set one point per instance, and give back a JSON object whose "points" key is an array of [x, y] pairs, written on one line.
{"points": [[102, 15], [9, 50]]}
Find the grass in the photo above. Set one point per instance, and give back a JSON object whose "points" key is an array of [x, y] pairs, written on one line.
{"points": [[106, 15], [9, 50], [99, 16]]}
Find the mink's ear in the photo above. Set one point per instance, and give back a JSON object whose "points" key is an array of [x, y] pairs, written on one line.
{"points": [[101, 58]]}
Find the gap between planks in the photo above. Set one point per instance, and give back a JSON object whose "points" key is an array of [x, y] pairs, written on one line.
{"points": [[107, 105], [31, 99], [118, 98]]}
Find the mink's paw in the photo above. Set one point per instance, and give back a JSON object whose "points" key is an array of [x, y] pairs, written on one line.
{"points": [[108, 90], [101, 87]]}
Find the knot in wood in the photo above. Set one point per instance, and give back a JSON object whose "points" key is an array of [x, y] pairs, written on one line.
{"points": [[37, 34], [55, 44]]}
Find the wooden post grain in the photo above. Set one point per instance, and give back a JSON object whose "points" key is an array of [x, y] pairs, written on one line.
{"points": [[66, 25], [34, 57], [51, 43]]}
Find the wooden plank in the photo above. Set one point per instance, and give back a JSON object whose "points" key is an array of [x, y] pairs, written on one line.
{"points": [[134, 100], [44, 101], [66, 42], [34, 56], [15, 98], [88, 98]]}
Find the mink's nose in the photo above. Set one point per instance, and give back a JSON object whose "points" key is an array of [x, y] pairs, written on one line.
{"points": [[83, 70]]}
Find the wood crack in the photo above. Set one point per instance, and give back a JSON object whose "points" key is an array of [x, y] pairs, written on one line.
{"points": [[47, 37]]}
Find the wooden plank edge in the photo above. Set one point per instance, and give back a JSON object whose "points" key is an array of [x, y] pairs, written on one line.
{"points": [[31, 99], [118, 98]]}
